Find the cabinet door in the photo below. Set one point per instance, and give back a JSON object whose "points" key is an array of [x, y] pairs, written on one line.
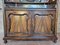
{"points": [[43, 23], [18, 24]]}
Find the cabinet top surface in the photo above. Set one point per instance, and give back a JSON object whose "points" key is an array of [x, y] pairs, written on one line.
{"points": [[30, 1]]}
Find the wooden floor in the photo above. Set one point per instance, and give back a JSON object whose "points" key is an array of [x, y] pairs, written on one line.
{"points": [[12, 42]]}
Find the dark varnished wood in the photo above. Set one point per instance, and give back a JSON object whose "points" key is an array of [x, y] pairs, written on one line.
{"points": [[31, 30], [29, 24]]}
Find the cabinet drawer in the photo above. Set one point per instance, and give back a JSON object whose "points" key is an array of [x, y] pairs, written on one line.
{"points": [[45, 12], [17, 12]]}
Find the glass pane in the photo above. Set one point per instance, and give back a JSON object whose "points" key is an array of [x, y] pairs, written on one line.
{"points": [[44, 0], [30, 0], [32, 6], [36, 6]]}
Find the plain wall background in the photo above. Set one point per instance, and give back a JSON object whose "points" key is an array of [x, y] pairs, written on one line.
{"points": [[1, 16], [58, 11]]}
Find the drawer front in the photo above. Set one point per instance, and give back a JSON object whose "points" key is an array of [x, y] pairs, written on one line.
{"points": [[45, 12]]}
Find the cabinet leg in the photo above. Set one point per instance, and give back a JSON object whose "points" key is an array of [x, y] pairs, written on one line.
{"points": [[5, 41], [55, 39]]}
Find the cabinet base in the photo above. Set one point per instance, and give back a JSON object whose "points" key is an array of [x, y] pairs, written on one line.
{"points": [[53, 38]]}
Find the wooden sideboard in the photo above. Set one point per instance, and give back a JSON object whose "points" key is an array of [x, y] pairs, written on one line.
{"points": [[30, 24]]}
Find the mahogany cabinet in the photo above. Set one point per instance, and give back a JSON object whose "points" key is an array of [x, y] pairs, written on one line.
{"points": [[30, 20]]}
